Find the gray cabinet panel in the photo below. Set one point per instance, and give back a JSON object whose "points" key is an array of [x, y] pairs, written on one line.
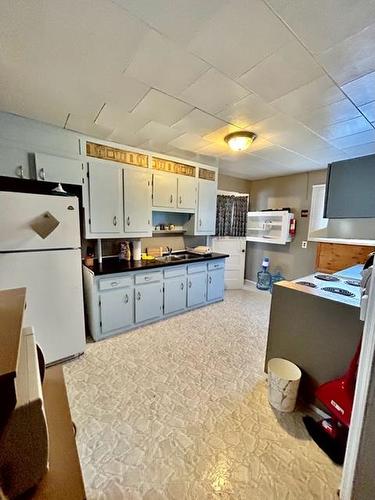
{"points": [[148, 302], [117, 309], [196, 289], [174, 294]]}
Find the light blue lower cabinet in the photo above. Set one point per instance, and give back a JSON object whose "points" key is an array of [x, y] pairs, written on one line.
{"points": [[196, 292], [116, 303], [116, 309], [148, 302], [215, 285], [175, 294]]}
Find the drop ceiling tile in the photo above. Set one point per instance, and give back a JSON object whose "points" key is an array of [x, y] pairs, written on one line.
{"points": [[369, 111], [362, 90], [157, 132], [215, 148], [284, 157], [218, 135], [275, 125], [125, 92], [86, 126], [178, 19], [313, 95], [351, 58], [154, 145], [280, 73], [113, 116], [322, 25], [102, 41], [250, 109], [162, 64], [162, 108], [213, 91], [333, 113], [198, 122], [190, 142], [354, 140], [240, 35], [125, 136], [343, 129], [302, 141], [326, 155], [360, 150]]}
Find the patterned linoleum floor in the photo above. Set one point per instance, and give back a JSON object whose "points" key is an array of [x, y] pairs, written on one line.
{"points": [[178, 410]]}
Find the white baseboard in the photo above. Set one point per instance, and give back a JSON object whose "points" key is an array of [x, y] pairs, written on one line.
{"points": [[249, 284]]}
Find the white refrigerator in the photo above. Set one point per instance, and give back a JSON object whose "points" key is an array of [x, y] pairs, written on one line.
{"points": [[48, 265]]}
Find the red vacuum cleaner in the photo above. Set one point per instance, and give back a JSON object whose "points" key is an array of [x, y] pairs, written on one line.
{"points": [[331, 434]]}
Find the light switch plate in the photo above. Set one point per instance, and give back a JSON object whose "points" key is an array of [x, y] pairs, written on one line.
{"points": [[304, 244]]}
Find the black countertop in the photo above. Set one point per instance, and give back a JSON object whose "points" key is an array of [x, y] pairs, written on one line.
{"points": [[113, 265]]}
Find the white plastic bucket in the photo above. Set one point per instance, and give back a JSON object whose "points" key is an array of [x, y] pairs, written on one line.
{"points": [[283, 382]]}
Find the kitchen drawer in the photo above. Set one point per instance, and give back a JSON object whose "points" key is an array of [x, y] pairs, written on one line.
{"points": [[216, 264], [148, 277], [197, 268], [115, 282], [174, 271]]}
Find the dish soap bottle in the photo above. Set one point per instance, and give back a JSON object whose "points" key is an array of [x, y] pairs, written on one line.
{"points": [[264, 277]]}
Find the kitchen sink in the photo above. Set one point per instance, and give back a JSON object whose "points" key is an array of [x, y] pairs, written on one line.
{"points": [[178, 257], [169, 258]]}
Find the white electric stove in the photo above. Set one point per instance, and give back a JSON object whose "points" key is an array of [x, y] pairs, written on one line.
{"points": [[333, 287]]}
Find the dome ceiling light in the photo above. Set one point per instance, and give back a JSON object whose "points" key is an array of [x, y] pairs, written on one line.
{"points": [[239, 141]]}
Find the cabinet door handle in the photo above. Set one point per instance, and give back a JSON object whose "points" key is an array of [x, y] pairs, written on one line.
{"points": [[180, 200], [139, 296], [128, 220], [114, 283], [147, 278], [210, 280], [182, 286], [126, 298], [19, 171], [42, 174], [115, 220], [200, 222], [189, 284], [171, 198]]}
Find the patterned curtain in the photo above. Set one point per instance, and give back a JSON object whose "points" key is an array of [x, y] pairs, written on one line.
{"points": [[231, 215]]}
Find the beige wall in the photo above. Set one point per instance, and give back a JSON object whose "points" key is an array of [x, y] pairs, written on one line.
{"points": [[228, 183], [292, 191]]}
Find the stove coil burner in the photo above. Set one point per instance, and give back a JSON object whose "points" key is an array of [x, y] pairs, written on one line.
{"points": [[353, 283], [339, 291], [306, 283], [326, 277]]}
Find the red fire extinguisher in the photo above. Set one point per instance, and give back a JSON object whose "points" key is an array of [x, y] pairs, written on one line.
{"points": [[292, 227]]}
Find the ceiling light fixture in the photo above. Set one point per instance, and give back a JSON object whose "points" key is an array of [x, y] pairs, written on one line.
{"points": [[239, 141]]}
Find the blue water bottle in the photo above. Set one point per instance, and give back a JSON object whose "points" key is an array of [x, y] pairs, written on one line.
{"points": [[264, 277]]}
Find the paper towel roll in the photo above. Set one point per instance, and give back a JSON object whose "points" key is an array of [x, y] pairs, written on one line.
{"points": [[137, 250]]}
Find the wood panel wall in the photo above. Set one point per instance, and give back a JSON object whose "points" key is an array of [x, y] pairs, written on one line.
{"points": [[332, 257]]}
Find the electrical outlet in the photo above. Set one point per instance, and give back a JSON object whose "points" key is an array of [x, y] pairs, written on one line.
{"points": [[304, 244]]}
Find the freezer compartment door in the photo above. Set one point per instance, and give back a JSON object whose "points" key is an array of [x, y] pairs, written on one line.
{"points": [[54, 298], [20, 211]]}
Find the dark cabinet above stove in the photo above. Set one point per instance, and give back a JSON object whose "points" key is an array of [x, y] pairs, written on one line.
{"points": [[350, 189]]}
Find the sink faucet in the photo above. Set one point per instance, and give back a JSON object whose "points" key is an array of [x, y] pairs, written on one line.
{"points": [[169, 250]]}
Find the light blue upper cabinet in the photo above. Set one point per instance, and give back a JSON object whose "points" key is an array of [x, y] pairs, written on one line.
{"points": [[53, 168], [175, 294], [105, 183], [148, 302], [137, 201]]}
